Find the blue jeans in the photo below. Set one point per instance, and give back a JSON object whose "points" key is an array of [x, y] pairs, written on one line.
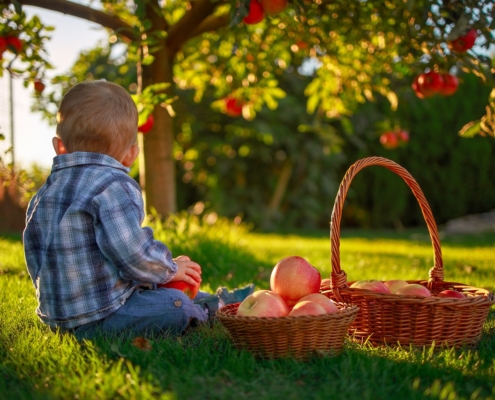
{"points": [[150, 311]]}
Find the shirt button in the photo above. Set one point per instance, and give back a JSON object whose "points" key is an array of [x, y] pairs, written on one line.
{"points": [[178, 302]]}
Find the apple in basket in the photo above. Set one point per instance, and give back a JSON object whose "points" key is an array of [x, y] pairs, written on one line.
{"points": [[328, 305], [263, 303], [395, 284], [453, 294], [307, 308], [293, 278], [414, 289], [371, 284]]}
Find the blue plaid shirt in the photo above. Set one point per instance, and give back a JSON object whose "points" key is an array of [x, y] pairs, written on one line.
{"points": [[84, 245]]}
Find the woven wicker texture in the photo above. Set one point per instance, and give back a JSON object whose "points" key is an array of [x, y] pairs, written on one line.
{"points": [[297, 337], [393, 319]]}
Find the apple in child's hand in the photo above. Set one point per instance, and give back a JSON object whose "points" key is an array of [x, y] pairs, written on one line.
{"points": [[328, 305], [293, 278], [189, 290], [414, 289], [307, 308], [454, 294], [394, 285], [371, 284], [263, 303]]}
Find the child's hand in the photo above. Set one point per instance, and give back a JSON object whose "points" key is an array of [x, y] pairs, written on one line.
{"points": [[188, 271]]}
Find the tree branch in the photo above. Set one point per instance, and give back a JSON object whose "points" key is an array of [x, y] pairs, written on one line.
{"points": [[84, 12], [210, 23], [192, 19]]}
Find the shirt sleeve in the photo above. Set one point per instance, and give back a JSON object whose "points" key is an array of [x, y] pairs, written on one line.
{"points": [[119, 213]]}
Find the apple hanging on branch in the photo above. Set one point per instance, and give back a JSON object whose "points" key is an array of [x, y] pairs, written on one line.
{"points": [[256, 13], [431, 83], [233, 106], [146, 127], [39, 86], [465, 42]]}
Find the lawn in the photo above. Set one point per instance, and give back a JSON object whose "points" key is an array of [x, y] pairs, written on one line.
{"points": [[38, 364]]}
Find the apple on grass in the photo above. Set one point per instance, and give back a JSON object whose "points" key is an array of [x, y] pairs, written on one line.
{"points": [[414, 289], [371, 284], [453, 294], [293, 278], [328, 305], [307, 308], [189, 290], [263, 303], [395, 284]]}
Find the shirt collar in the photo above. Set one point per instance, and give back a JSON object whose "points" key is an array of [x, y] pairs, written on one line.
{"points": [[79, 158]]}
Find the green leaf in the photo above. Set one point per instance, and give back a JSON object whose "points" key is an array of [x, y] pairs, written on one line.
{"points": [[471, 129], [148, 60]]}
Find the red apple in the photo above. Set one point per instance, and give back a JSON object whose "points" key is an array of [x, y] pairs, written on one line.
{"points": [[454, 294], [39, 86], [14, 43], [146, 127], [429, 83], [465, 42], [394, 285], [233, 107], [256, 13], [414, 289], [293, 278], [417, 89], [263, 303], [389, 140], [371, 284], [273, 7], [328, 305], [450, 85], [306, 308], [3, 45], [189, 290], [403, 136]]}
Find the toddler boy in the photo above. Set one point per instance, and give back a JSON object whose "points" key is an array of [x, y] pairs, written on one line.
{"points": [[91, 262]]}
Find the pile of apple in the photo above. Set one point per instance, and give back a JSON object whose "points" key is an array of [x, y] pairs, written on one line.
{"points": [[294, 291], [400, 287]]}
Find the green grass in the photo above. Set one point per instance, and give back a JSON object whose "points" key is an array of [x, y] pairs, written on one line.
{"points": [[36, 363]]}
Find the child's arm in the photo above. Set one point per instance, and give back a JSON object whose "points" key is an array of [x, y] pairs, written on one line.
{"points": [[123, 242]]}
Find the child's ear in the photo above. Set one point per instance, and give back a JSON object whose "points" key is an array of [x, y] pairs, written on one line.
{"points": [[58, 146], [130, 156]]}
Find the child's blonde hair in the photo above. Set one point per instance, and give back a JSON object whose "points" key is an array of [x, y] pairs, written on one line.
{"points": [[97, 116]]}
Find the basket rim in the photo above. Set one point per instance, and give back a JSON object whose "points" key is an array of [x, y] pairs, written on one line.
{"points": [[481, 295], [345, 310]]}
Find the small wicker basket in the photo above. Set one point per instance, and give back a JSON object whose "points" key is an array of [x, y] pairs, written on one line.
{"points": [[297, 337], [404, 320]]}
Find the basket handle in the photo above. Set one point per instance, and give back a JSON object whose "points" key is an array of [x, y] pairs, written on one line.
{"points": [[339, 277]]}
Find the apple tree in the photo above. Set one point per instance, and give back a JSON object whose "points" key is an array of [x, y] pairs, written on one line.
{"points": [[354, 51]]}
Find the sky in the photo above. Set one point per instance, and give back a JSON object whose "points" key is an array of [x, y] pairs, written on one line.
{"points": [[32, 135]]}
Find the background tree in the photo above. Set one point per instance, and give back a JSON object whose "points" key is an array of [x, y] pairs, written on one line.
{"points": [[355, 51]]}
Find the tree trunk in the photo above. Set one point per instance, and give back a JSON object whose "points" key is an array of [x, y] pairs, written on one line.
{"points": [[160, 187]]}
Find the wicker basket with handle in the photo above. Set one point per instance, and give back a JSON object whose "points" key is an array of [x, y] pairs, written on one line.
{"points": [[296, 337], [405, 320]]}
